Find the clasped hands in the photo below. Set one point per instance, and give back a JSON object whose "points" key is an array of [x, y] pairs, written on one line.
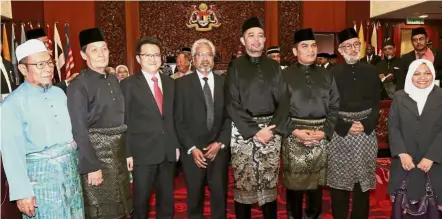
{"points": [[356, 128], [408, 164], [309, 137], [211, 151]]}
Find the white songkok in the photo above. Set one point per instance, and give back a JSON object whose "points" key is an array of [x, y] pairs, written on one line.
{"points": [[28, 48]]}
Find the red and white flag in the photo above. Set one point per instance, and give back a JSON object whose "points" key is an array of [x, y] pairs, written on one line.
{"points": [[58, 51], [68, 51]]}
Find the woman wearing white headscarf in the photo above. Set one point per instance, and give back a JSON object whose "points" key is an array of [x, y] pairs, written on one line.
{"points": [[415, 133]]}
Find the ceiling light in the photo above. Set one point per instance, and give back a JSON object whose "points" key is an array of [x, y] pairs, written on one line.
{"points": [[424, 16]]}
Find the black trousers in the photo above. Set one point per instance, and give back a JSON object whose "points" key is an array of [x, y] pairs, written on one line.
{"points": [[148, 177], [313, 200], [341, 201], [244, 211], [216, 176]]}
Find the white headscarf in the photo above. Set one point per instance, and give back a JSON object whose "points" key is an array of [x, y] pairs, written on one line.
{"points": [[417, 94]]}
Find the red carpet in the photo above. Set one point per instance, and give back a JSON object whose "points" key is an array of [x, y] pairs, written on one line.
{"points": [[380, 205]]}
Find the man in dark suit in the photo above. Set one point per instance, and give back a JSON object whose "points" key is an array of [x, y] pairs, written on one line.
{"points": [[204, 131], [370, 57], [419, 39], [151, 142]]}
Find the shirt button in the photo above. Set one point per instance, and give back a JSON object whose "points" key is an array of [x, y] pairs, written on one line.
{"points": [[111, 91], [114, 99], [417, 133], [108, 84], [162, 131], [52, 106], [55, 116]]}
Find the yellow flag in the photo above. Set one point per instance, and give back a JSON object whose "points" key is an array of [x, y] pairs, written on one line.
{"points": [[5, 45], [361, 37]]}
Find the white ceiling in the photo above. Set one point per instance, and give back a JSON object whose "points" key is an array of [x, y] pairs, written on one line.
{"points": [[432, 8]]}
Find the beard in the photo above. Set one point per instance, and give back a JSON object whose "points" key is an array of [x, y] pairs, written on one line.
{"points": [[256, 49], [45, 86], [351, 57]]}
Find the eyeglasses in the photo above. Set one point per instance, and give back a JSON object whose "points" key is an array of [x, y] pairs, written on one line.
{"points": [[421, 39], [205, 54], [349, 46], [42, 64], [156, 55]]}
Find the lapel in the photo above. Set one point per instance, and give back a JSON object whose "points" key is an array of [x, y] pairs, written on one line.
{"points": [[218, 94], [167, 84], [434, 102], [145, 91], [410, 104], [196, 84]]}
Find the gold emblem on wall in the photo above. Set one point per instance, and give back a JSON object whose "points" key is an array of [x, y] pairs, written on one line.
{"points": [[203, 18]]}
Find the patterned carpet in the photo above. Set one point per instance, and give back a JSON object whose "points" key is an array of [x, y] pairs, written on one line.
{"points": [[380, 205]]}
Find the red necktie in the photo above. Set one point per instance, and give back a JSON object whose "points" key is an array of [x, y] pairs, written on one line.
{"points": [[158, 94]]}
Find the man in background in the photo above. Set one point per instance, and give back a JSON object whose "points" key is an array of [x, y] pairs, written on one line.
{"points": [[274, 53], [183, 65], [370, 57]]}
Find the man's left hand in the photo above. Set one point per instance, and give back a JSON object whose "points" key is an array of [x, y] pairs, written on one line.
{"points": [[212, 150], [318, 135]]}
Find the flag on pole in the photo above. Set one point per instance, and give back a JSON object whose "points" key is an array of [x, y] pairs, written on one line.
{"points": [[68, 51], [380, 40], [13, 57], [58, 51], [49, 35], [30, 25], [354, 26], [23, 33], [361, 37], [374, 39], [38, 24], [5, 44]]}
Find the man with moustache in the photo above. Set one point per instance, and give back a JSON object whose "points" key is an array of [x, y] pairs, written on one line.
{"points": [[353, 149], [257, 102], [96, 107], [312, 119], [152, 146], [388, 68], [39, 34], [204, 130], [39, 153], [419, 39]]}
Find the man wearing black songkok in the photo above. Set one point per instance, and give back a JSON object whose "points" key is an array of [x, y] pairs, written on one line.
{"points": [[314, 101], [39, 34], [388, 68], [96, 106], [419, 39], [351, 164], [257, 102]]}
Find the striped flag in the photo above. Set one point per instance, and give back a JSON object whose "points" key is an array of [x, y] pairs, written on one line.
{"points": [[58, 51], [380, 40], [68, 53], [23, 34], [374, 39], [5, 44], [13, 57]]}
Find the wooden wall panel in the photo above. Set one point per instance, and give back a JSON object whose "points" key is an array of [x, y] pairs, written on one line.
{"points": [[111, 20], [170, 24], [290, 14]]}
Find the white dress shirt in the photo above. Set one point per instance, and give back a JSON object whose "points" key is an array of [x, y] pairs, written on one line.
{"points": [[148, 77], [210, 81]]}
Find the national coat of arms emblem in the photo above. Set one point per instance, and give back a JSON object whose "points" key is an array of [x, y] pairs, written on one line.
{"points": [[203, 18]]}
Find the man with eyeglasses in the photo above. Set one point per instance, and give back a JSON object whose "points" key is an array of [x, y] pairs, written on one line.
{"points": [[39, 34], [39, 154], [96, 107], [353, 149], [152, 146], [419, 39], [203, 129], [257, 102]]}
